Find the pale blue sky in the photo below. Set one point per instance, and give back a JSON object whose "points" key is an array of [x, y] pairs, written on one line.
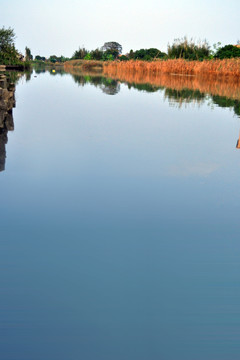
{"points": [[60, 26]]}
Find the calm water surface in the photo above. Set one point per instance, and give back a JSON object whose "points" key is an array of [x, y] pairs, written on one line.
{"points": [[119, 224]]}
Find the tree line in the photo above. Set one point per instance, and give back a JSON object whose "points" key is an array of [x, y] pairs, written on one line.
{"points": [[180, 48]]}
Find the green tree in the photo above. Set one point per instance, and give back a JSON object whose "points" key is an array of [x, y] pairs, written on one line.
{"points": [[53, 58], [131, 54], [96, 54], [28, 54], [113, 48], [40, 58], [8, 53], [80, 53], [7, 37]]}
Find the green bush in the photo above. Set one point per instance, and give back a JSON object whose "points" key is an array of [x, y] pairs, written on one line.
{"points": [[146, 54], [123, 58], [227, 52], [88, 56], [188, 49]]}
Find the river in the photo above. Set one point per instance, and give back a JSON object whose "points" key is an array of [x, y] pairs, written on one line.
{"points": [[119, 218]]}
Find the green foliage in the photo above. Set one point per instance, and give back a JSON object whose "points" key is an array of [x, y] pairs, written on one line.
{"points": [[8, 53], [53, 58], [227, 52], [97, 54], [7, 37], [28, 55], [40, 58], [88, 57], [123, 58], [131, 55], [60, 59], [188, 49], [80, 53], [147, 54], [107, 56], [227, 103], [9, 56]]}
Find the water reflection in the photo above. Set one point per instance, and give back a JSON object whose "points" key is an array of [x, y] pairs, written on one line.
{"points": [[119, 222], [177, 90], [107, 85], [7, 102], [238, 142]]}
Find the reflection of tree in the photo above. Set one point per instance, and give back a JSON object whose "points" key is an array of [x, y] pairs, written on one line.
{"points": [[184, 96], [224, 102], [107, 85], [28, 75], [53, 70], [144, 87], [110, 87], [7, 102]]}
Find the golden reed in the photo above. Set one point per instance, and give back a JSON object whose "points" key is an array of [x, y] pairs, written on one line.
{"points": [[226, 67]]}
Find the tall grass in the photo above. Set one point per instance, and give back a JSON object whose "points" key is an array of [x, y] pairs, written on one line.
{"points": [[219, 68], [84, 65]]}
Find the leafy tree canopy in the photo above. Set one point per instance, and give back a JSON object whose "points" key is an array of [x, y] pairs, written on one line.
{"points": [[146, 54], [7, 37], [113, 48]]}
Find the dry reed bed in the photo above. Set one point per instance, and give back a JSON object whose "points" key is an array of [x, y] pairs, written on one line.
{"points": [[85, 65], [227, 67]]}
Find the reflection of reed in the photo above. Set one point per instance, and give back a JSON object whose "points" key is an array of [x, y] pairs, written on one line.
{"points": [[79, 72], [238, 142], [226, 86]]}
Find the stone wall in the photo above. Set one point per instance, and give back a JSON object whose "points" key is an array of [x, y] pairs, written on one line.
{"points": [[7, 103]]}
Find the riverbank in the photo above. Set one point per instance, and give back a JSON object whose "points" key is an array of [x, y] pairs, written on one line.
{"points": [[214, 68], [20, 67], [85, 65]]}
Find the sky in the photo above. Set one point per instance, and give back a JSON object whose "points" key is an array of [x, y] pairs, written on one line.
{"points": [[59, 27]]}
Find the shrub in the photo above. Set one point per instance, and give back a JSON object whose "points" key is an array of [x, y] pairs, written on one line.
{"points": [[146, 54], [188, 49], [227, 52]]}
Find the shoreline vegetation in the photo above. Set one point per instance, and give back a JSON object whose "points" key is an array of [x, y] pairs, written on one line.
{"points": [[215, 68], [184, 56]]}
